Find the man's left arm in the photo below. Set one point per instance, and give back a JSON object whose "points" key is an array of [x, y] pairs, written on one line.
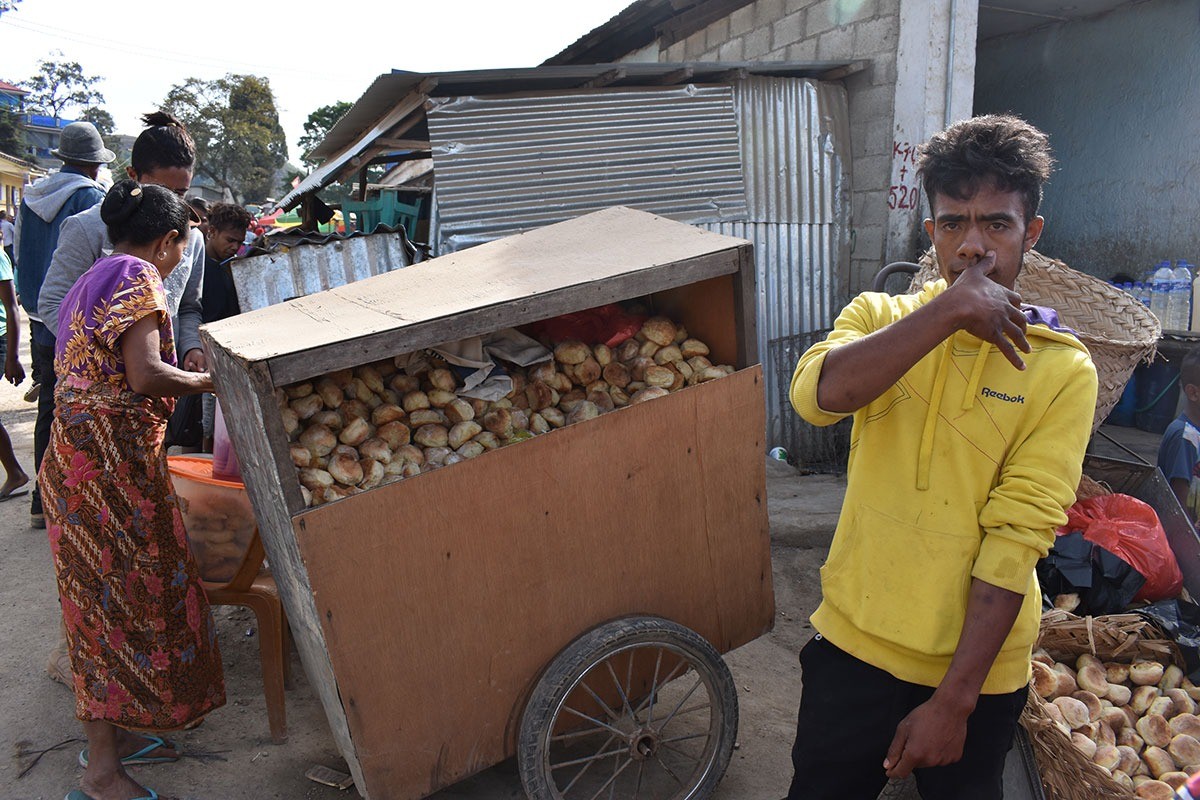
{"points": [[1037, 483], [190, 315]]}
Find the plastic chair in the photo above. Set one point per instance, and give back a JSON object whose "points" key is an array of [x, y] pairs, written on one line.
{"points": [[253, 589]]}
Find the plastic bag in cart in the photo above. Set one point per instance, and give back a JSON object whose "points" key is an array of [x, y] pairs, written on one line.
{"points": [[609, 324], [1129, 528], [1180, 620], [1105, 583]]}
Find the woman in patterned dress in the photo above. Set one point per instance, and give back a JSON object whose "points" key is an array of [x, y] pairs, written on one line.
{"points": [[142, 641]]}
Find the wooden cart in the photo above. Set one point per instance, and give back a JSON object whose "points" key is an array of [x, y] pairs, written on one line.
{"points": [[563, 599]]}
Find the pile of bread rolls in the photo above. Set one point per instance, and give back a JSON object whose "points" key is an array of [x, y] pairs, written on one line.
{"points": [[220, 525], [1138, 722], [353, 430]]}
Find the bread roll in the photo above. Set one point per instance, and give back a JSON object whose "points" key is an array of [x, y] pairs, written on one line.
{"points": [[361, 391], [470, 450], [1045, 680], [1154, 730], [1174, 779], [462, 433], [571, 399], [619, 397], [1183, 703], [1146, 673], [1074, 712], [1091, 678], [301, 455], [554, 416], [1143, 696], [1119, 695], [298, 390], [1192, 689], [628, 350], [306, 406], [1163, 707], [1155, 790], [1172, 678], [431, 436], [1129, 759], [583, 411], [440, 398], [395, 434], [1106, 756], [1129, 737], [410, 453], [587, 371], [602, 400], [659, 330], [1186, 723], [376, 449], [1087, 658], [540, 396], [435, 457], [617, 374], [372, 472], [1066, 683], [1084, 745], [1123, 780], [385, 413], [330, 393], [315, 479], [1104, 733], [1116, 673], [403, 384], [488, 439], [319, 439], [442, 379], [1091, 701], [1184, 749], [354, 409], [571, 352], [667, 355], [356, 432], [346, 470], [426, 416], [659, 376], [415, 401], [649, 393], [538, 424], [699, 363], [1114, 718], [709, 374], [637, 370], [693, 347], [603, 354], [1158, 761]]}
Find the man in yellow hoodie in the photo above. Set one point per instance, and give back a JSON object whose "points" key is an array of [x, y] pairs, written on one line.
{"points": [[971, 415]]}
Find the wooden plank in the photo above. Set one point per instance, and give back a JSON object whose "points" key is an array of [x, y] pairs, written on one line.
{"points": [[837, 73], [676, 76], [403, 144], [604, 245], [654, 509], [604, 79], [477, 322], [745, 298], [254, 424]]}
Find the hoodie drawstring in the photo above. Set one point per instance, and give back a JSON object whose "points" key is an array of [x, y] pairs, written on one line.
{"points": [[925, 456], [976, 376]]}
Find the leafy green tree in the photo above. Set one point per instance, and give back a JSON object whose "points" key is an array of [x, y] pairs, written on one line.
{"points": [[317, 127], [59, 85], [240, 144], [12, 134], [101, 119]]}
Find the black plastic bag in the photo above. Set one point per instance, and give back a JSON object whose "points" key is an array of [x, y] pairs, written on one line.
{"points": [[1106, 584], [1180, 620], [186, 425]]}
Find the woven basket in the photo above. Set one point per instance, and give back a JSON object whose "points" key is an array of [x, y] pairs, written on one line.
{"points": [[1116, 328], [1065, 772]]}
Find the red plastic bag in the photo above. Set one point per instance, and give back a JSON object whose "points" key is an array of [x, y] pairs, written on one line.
{"points": [[1128, 528], [609, 324]]}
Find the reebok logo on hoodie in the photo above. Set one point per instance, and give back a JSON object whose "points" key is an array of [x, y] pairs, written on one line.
{"points": [[986, 392]]}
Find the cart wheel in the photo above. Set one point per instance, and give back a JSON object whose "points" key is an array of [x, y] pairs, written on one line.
{"points": [[636, 709]]}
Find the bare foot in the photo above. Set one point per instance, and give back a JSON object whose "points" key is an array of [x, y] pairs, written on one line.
{"points": [[112, 786], [13, 483]]}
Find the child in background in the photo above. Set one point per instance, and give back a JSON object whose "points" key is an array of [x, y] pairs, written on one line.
{"points": [[1179, 451]]}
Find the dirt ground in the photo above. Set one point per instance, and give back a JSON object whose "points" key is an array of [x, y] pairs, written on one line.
{"points": [[231, 755]]}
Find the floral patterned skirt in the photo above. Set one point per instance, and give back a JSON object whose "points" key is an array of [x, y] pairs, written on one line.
{"points": [[141, 636]]}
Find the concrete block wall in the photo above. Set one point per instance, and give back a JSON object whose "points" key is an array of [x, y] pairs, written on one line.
{"points": [[828, 30]]}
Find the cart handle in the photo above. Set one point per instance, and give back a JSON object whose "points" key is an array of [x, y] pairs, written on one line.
{"points": [[881, 277]]}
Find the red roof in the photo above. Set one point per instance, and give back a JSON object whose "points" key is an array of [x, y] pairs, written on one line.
{"points": [[8, 87]]}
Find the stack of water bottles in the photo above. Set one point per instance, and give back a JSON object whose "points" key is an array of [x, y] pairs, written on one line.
{"points": [[1167, 292]]}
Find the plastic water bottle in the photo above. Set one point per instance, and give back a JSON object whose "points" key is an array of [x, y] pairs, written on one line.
{"points": [[1141, 290], [1160, 292], [778, 453], [1180, 311]]}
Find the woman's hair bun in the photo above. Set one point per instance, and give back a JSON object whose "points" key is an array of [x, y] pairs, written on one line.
{"points": [[160, 118], [121, 202]]}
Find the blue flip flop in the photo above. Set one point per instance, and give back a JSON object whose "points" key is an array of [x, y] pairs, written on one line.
{"points": [[78, 795], [141, 756]]}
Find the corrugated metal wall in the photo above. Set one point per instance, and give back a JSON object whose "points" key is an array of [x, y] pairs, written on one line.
{"points": [[507, 164], [766, 159], [795, 144]]}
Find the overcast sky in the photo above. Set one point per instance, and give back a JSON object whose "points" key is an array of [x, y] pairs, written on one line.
{"points": [[314, 53]]}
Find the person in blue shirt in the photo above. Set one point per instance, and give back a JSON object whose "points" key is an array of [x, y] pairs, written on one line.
{"points": [[1179, 451]]}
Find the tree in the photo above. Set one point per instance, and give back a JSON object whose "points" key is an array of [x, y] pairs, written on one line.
{"points": [[8, 5], [101, 119], [59, 85], [12, 134], [239, 142], [317, 127]]}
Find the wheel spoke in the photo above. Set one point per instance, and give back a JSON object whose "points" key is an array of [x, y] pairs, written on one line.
{"points": [[691, 710], [604, 725], [670, 677], [637, 789], [585, 760], [611, 714], [674, 749], [562, 737], [616, 682], [609, 782], [670, 771], [585, 768], [679, 705], [689, 737], [653, 689]]}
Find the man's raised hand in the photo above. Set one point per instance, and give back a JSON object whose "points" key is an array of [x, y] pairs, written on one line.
{"points": [[989, 310]]}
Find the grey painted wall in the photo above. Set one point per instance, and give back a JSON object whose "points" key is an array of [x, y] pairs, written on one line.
{"points": [[1120, 97]]}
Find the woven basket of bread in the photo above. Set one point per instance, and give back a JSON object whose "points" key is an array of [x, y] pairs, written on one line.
{"points": [[1116, 328], [1085, 738]]}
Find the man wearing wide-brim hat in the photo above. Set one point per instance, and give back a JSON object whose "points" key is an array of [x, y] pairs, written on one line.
{"points": [[46, 204]]}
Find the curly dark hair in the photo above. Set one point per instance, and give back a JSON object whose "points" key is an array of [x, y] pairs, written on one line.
{"points": [[164, 143], [226, 216], [1002, 148], [1189, 370], [137, 214]]}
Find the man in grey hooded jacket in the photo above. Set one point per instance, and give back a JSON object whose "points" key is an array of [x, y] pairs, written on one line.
{"points": [[44, 208]]}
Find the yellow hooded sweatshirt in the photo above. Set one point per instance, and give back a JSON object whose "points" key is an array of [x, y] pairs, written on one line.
{"points": [[960, 470]]}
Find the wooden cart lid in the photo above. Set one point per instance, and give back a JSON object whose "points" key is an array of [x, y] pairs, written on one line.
{"points": [[586, 251]]}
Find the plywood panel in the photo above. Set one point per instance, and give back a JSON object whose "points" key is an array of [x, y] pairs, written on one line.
{"points": [[443, 596], [706, 309], [591, 249]]}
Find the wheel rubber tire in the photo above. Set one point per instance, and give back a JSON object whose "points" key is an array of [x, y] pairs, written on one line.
{"points": [[566, 668]]}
